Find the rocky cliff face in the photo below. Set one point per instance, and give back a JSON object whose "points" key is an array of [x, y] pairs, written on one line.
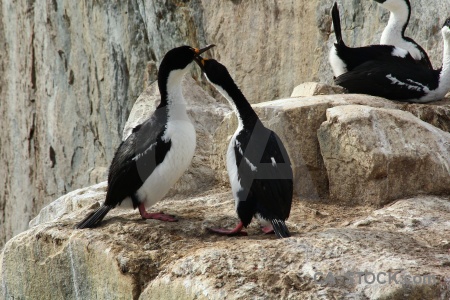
{"points": [[71, 71]]}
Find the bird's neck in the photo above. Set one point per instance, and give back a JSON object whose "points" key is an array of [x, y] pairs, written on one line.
{"points": [[444, 78], [446, 58], [172, 96], [242, 108], [395, 29]]}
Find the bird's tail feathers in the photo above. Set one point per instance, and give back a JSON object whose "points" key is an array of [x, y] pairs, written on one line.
{"points": [[280, 228], [337, 23], [94, 218]]}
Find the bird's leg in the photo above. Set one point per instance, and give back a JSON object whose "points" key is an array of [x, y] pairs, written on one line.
{"points": [[230, 232], [157, 216], [267, 229]]}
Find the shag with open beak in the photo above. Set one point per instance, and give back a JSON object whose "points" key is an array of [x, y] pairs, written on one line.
{"points": [[158, 151]]}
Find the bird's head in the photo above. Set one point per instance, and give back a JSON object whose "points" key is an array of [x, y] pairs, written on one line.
{"points": [[395, 5], [215, 72], [218, 75], [176, 63], [446, 29], [180, 58]]}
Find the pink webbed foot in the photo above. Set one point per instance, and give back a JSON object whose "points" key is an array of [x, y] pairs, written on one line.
{"points": [[230, 232], [157, 216], [267, 229]]}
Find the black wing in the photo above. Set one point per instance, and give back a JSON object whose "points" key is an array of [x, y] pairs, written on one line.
{"points": [[355, 57], [134, 161], [393, 79], [265, 174], [136, 158]]}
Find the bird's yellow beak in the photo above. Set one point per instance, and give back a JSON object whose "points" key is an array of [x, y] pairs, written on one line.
{"points": [[200, 51]]}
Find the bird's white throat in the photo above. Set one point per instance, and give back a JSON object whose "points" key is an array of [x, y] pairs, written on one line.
{"points": [[444, 82], [176, 102], [444, 77], [398, 18]]}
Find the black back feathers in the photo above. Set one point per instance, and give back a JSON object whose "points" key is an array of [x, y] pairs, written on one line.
{"points": [[400, 79], [392, 79]]}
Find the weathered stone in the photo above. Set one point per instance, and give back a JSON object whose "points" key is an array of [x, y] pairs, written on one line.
{"points": [[316, 88], [436, 113], [92, 195], [422, 217], [72, 79], [59, 266], [259, 270], [127, 257], [376, 155]]}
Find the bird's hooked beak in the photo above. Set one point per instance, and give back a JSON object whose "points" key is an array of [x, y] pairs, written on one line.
{"points": [[200, 51]]}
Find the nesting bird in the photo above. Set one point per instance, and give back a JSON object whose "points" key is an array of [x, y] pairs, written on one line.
{"points": [[258, 164], [158, 151], [400, 79], [394, 33], [344, 59]]}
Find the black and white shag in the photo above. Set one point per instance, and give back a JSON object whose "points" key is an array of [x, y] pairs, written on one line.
{"points": [[158, 151], [258, 164], [343, 58], [400, 79]]}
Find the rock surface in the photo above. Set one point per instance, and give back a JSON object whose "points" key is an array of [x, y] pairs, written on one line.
{"points": [[376, 155], [72, 77], [71, 202], [437, 113], [316, 88], [130, 258], [71, 71]]}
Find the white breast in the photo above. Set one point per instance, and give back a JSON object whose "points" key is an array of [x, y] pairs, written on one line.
{"points": [[403, 44], [177, 160], [232, 169], [337, 64]]}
